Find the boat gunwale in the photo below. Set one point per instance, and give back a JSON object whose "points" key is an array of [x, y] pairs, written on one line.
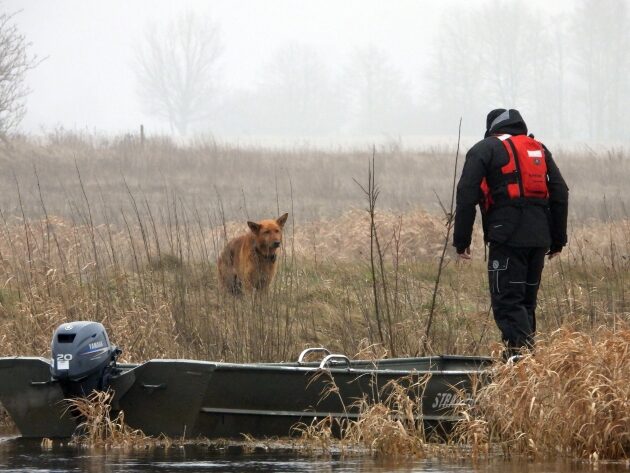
{"points": [[222, 366], [293, 366]]}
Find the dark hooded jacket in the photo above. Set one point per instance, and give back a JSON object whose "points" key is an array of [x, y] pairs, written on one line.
{"points": [[526, 225]]}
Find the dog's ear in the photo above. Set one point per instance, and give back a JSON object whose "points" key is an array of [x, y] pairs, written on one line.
{"points": [[282, 220], [254, 227]]}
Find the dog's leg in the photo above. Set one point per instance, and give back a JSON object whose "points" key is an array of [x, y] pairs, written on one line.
{"points": [[236, 286]]}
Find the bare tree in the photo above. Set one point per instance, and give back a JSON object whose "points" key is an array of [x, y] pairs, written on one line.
{"points": [[377, 93], [298, 92], [601, 52], [479, 64], [177, 70], [14, 64], [510, 54], [454, 82]]}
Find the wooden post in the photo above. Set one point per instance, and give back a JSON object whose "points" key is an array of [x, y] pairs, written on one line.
{"points": [[142, 135]]}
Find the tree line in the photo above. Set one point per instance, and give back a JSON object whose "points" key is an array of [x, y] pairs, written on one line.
{"points": [[567, 72]]}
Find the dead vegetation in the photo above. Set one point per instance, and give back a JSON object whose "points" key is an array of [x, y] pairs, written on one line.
{"points": [[153, 284], [97, 429], [570, 398], [6, 424], [391, 426], [246, 177]]}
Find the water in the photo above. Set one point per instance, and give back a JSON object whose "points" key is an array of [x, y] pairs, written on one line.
{"points": [[18, 455]]}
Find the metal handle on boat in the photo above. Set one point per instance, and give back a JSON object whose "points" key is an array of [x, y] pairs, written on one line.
{"points": [[308, 351], [153, 387], [515, 358], [334, 357]]}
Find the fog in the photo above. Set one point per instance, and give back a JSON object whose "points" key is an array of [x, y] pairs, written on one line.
{"points": [[330, 71]]}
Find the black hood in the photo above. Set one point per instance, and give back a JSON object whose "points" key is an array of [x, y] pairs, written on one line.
{"points": [[500, 121]]}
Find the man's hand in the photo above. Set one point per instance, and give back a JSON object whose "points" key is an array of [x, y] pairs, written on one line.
{"points": [[554, 251], [464, 255], [551, 255]]}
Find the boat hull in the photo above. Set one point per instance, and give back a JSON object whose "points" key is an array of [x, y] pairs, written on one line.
{"points": [[195, 398], [35, 404]]}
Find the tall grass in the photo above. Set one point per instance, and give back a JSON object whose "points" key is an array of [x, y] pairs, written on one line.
{"points": [[97, 428], [6, 424], [571, 398], [155, 289], [391, 426]]}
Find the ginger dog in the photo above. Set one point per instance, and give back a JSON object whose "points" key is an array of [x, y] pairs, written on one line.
{"points": [[249, 261]]}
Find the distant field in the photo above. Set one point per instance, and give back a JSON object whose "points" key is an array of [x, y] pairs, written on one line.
{"points": [[249, 182]]}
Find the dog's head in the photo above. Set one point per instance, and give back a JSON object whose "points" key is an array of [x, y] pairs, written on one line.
{"points": [[268, 234]]}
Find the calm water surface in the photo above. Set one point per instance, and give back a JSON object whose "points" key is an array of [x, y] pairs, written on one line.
{"points": [[27, 456]]}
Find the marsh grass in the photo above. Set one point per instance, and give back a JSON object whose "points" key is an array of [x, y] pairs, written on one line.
{"points": [[151, 279], [390, 425], [97, 428], [570, 398], [106, 230], [6, 424]]}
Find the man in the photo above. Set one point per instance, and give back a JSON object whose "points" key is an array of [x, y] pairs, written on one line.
{"points": [[524, 202]]}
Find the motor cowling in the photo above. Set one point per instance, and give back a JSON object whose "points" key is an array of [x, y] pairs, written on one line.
{"points": [[82, 357]]}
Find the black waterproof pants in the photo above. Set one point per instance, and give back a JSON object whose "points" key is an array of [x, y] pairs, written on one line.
{"points": [[514, 278]]}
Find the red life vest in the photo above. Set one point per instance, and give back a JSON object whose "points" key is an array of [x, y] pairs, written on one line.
{"points": [[525, 172]]}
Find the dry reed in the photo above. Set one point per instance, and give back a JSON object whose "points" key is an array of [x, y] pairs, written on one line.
{"points": [[97, 429], [389, 426], [6, 424], [570, 398], [393, 426]]}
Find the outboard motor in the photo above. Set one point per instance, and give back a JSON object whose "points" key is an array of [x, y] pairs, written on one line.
{"points": [[82, 358]]}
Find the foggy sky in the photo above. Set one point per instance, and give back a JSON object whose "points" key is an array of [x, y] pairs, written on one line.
{"points": [[86, 81]]}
